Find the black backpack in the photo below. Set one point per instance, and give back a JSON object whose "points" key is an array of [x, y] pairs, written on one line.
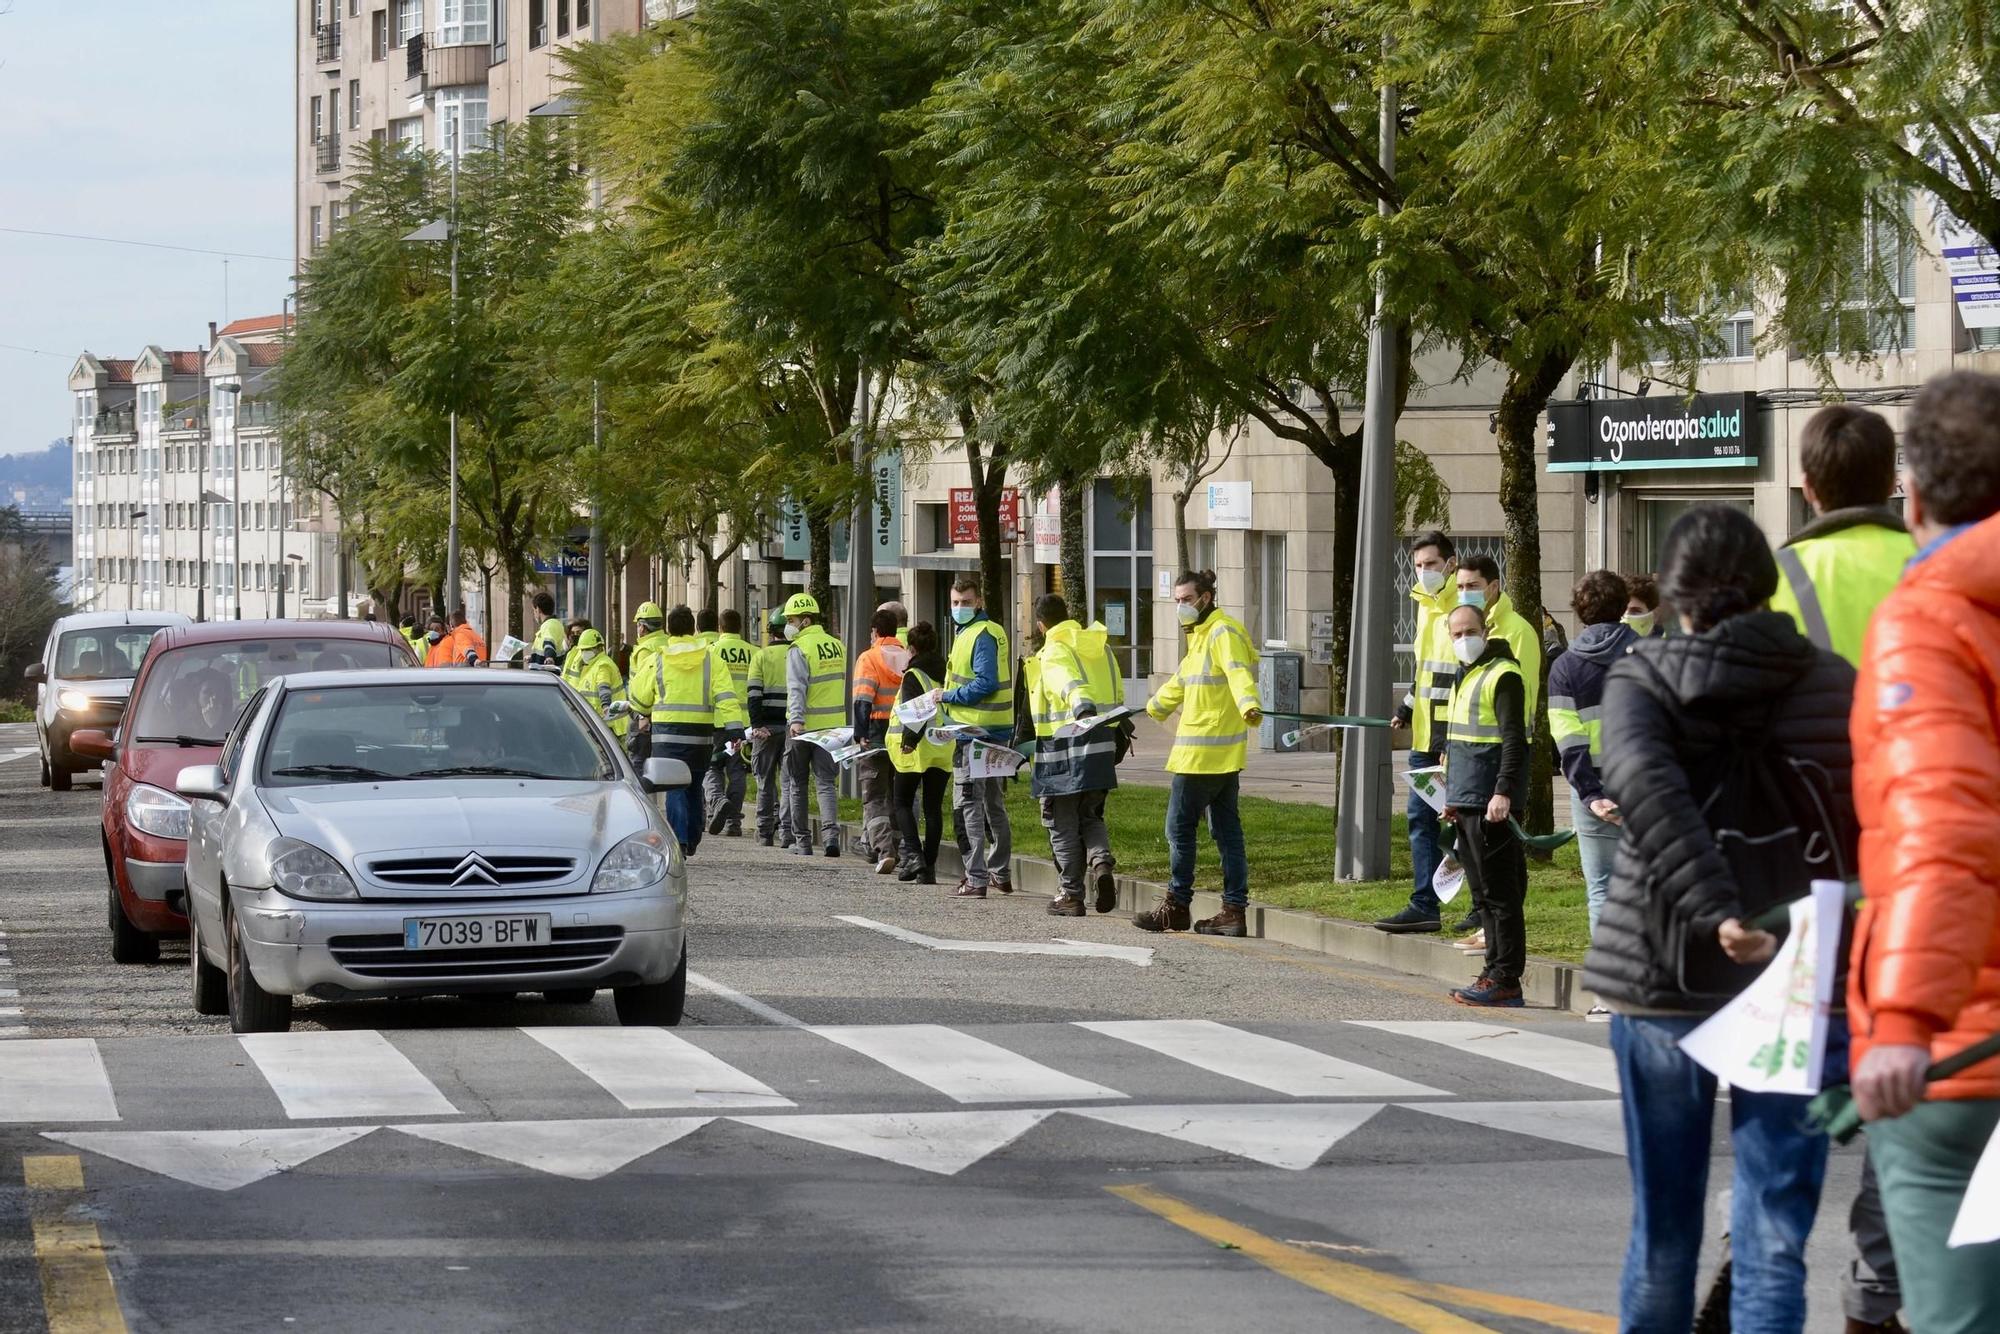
{"points": [[1776, 822]]}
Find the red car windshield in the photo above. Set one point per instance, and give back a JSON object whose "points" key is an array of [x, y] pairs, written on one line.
{"points": [[193, 694]]}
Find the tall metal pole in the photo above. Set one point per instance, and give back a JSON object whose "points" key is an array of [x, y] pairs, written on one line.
{"points": [[1366, 784], [235, 517], [454, 600], [596, 577], [860, 548]]}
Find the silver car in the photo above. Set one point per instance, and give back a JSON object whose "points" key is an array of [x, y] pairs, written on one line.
{"points": [[83, 679], [411, 832]]}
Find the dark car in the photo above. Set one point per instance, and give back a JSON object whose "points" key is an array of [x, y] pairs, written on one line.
{"points": [[194, 683]]}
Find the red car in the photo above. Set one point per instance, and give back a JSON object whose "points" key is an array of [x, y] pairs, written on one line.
{"points": [[194, 682]]}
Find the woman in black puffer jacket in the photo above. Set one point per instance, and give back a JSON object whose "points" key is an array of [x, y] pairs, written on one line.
{"points": [[1676, 712]]}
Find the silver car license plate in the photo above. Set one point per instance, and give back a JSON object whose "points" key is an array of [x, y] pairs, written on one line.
{"points": [[475, 933]]}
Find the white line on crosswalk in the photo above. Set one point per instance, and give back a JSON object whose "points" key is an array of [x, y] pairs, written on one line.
{"points": [[1577, 1062], [647, 1068], [54, 1079], [962, 1067], [343, 1074], [1255, 1059], [19, 754], [942, 1142], [1595, 1123], [580, 1150], [770, 1014]]}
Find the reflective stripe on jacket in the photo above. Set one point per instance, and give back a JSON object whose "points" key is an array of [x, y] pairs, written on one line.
{"points": [[687, 692], [1475, 739], [816, 681], [1062, 685], [878, 676], [1836, 572], [1430, 686], [766, 689], [994, 712], [926, 754], [1215, 685]]}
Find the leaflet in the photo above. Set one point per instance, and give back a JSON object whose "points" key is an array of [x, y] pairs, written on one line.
{"points": [[837, 742], [1075, 729], [509, 646], [985, 760], [916, 712], [1771, 1038], [1428, 783]]}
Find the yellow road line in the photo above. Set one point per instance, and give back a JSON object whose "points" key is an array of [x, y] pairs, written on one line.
{"points": [[77, 1291], [1406, 1301]]}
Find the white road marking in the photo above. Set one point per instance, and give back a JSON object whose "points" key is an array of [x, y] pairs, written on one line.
{"points": [[215, 1159], [54, 1079], [647, 1068], [962, 1067], [1567, 1059], [580, 1150], [1288, 1135], [54, 859], [1139, 956], [942, 1142], [346, 1074], [1255, 1059], [21, 753], [1597, 1123], [770, 1014]]}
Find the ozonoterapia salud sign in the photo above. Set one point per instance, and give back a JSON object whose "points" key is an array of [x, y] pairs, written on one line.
{"points": [[1609, 435]]}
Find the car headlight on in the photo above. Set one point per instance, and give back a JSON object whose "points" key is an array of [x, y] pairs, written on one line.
{"points": [[75, 701], [306, 872], [156, 811], [639, 861]]}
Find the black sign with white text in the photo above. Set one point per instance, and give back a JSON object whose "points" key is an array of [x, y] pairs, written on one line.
{"points": [[1605, 435]]}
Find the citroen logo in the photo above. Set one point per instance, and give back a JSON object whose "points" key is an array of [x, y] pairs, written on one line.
{"points": [[474, 870]]}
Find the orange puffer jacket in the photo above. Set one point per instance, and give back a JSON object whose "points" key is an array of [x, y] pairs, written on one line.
{"points": [[1926, 734]]}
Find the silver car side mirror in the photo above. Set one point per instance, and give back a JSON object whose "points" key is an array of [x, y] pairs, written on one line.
{"points": [[201, 782], [660, 774]]}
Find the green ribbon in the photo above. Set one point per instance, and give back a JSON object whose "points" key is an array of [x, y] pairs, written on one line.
{"points": [[1329, 719]]}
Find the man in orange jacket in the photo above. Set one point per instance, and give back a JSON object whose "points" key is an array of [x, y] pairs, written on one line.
{"points": [[1926, 976], [878, 675]]}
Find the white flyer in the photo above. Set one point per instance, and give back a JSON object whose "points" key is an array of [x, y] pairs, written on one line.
{"points": [[1450, 878], [1771, 1038], [918, 711], [510, 646], [838, 742], [1979, 1213], [1428, 783], [984, 760], [1077, 728]]}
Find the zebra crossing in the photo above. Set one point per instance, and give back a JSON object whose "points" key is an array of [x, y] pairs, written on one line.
{"points": [[582, 1102]]}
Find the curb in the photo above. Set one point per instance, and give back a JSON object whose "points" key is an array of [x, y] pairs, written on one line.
{"points": [[1546, 983]]}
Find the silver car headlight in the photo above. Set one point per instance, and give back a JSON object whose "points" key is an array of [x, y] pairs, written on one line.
{"points": [[639, 861], [306, 872], [156, 811], [75, 701]]}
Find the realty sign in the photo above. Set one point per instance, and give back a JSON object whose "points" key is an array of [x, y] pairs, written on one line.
{"points": [[964, 515], [1609, 435]]}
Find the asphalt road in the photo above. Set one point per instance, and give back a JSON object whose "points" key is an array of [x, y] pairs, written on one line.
{"points": [[853, 1130]]}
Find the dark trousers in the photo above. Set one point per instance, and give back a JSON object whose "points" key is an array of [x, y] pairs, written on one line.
{"points": [[1190, 798], [1424, 853], [930, 785], [1496, 871]]}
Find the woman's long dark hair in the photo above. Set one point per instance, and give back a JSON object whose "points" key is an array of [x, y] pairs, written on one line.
{"points": [[1716, 564], [924, 655]]}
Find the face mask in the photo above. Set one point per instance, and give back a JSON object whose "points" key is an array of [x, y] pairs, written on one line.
{"points": [[791, 630], [590, 655], [1188, 612], [1468, 649], [1642, 624], [1430, 580], [1472, 597], [963, 615], [434, 635]]}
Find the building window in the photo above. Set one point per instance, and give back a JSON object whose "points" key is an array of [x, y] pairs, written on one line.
{"points": [[582, 15], [462, 119], [318, 118], [538, 23], [354, 9], [354, 104], [499, 31], [333, 219], [1121, 575], [562, 18], [465, 23], [333, 107], [378, 43], [1728, 325], [1983, 339], [1880, 312], [409, 134], [409, 21], [318, 228], [1269, 554]]}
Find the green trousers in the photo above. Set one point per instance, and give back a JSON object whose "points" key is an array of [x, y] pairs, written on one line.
{"points": [[1924, 1161]]}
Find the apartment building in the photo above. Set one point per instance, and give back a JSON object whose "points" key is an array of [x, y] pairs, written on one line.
{"points": [[182, 502]]}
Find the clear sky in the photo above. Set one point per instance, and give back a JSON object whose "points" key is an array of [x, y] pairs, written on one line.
{"points": [[148, 122]]}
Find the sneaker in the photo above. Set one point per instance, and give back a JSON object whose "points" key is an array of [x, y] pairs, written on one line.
{"points": [[1166, 915], [717, 821], [1228, 922], [1472, 944], [1597, 1015], [1004, 886], [801, 850], [885, 866], [1470, 922], [909, 871], [967, 890], [927, 876], [1410, 921], [1489, 991], [1107, 890], [1065, 905], [734, 830]]}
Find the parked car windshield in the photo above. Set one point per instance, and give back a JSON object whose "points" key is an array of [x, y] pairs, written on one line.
{"points": [[102, 653], [195, 692], [472, 729]]}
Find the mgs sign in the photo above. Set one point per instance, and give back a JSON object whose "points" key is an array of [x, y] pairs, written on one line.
{"points": [[1706, 431]]}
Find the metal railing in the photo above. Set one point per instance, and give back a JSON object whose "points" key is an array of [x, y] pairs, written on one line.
{"points": [[327, 152], [115, 422], [184, 417], [327, 39], [255, 413], [415, 49]]}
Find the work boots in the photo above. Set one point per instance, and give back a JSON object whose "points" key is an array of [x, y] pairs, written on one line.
{"points": [[1228, 922], [1166, 915]]}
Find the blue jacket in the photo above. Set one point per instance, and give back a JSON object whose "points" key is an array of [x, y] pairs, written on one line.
{"points": [[1576, 682], [985, 677]]}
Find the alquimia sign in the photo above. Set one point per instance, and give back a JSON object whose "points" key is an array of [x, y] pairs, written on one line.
{"points": [[1706, 431]]}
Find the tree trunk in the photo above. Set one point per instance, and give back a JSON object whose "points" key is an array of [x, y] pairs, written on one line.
{"points": [[1075, 559], [1346, 470], [819, 565], [989, 479], [1521, 406], [1183, 560]]}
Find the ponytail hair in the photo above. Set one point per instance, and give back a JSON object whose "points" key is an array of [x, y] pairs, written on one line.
{"points": [[1716, 564], [1203, 581]]}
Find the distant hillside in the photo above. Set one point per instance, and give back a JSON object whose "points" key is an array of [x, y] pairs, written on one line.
{"points": [[45, 468]]}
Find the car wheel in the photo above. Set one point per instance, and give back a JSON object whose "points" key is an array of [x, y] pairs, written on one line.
{"points": [[46, 780], [211, 987], [570, 996], [58, 777], [656, 1005], [128, 943], [251, 1008]]}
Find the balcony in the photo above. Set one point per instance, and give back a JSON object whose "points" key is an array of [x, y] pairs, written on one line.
{"points": [[327, 42], [455, 59], [117, 421], [253, 414], [326, 154], [183, 417]]}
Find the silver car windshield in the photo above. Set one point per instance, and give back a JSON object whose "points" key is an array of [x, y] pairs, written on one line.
{"points": [[402, 733], [102, 653]]}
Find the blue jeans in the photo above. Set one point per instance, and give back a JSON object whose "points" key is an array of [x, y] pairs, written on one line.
{"points": [[1669, 1106], [1192, 796], [684, 804], [1596, 845], [1424, 854]]}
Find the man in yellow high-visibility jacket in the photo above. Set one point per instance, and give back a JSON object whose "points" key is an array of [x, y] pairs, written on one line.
{"points": [[728, 770], [979, 692], [550, 642], [1073, 677], [1433, 558], [767, 736], [1836, 570], [650, 621], [690, 699], [815, 701], [593, 674], [1215, 690]]}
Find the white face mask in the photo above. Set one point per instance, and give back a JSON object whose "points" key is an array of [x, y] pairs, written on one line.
{"points": [[1469, 648], [1430, 580], [589, 655], [791, 629], [1642, 624], [1188, 612]]}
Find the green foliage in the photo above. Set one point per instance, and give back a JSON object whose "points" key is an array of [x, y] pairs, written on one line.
{"points": [[28, 603]]}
